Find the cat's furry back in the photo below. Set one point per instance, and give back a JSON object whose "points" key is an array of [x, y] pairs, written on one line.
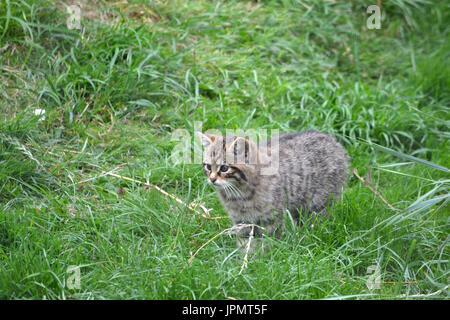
{"points": [[311, 172]]}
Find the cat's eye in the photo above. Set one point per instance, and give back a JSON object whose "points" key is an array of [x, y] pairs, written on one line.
{"points": [[208, 166], [224, 168]]}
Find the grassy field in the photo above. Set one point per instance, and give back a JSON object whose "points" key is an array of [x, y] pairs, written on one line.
{"points": [[116, 89]]}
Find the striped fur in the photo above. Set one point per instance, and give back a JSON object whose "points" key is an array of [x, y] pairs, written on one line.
{"points": [[312, 170]]}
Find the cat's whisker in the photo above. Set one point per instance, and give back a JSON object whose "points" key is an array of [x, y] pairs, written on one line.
{"points": [[234, 191], [237, 191], [227, 191], [230, 190]]}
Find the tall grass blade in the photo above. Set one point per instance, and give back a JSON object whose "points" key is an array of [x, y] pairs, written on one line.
{"points": [[410, 158]]}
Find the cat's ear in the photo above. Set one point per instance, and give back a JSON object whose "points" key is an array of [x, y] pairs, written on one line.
{"points": [[244, 150], [205, 138]]}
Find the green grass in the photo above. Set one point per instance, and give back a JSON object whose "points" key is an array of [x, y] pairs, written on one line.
{"points": [[116, 90]]}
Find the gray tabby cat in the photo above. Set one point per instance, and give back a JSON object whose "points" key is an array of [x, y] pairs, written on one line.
{"points": [[311, 169]]}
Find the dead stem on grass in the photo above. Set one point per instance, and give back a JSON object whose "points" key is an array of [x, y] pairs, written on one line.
{"points": [[192, 206], [376, 192]]}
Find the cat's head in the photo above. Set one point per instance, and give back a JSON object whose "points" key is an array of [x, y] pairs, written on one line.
{"points": [[229, 160]]}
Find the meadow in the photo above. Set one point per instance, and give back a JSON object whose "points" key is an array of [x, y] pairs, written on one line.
{"points": [[89, 109]]}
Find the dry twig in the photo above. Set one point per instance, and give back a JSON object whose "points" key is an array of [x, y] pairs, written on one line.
{"points": [[235, 227], [250, 238], [192, 206], [424, 295], [368, 186], [101, 175]]}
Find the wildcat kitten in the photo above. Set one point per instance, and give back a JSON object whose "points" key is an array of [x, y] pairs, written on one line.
{"points": [[311, 171]]}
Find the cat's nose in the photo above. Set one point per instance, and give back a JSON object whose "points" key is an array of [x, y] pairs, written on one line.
{"points": [[212, 179]]}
